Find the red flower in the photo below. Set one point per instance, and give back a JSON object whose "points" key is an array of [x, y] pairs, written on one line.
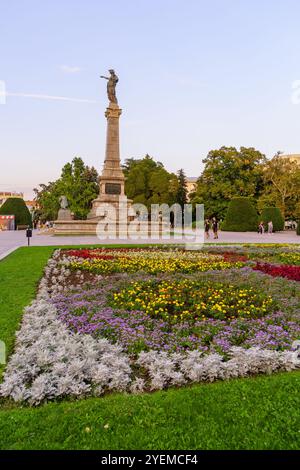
{"points": [[234, 257], [282, 270], [96, 253]]}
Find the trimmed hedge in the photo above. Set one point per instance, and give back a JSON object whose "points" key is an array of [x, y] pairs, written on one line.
{"points": [[274, 214], [298, 227], [17, 207], [241, 216]]}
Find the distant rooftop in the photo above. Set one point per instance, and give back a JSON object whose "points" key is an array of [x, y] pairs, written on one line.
{"points": [[11, 194], [292, 156], [192, 179]]}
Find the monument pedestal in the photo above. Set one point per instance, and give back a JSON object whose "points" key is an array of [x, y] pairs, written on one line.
{"points": [[106, 230], [75, 227], [64, 214]]}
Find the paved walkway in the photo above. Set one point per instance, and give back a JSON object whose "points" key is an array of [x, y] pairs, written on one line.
{"points": [[11, 240]]}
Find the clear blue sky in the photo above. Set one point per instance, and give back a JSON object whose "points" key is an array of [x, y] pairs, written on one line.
{"points": [[194, 75]]}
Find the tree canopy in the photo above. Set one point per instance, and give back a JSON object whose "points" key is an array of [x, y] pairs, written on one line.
{"points": [[281, 178], [78, 182], [148, 182], [229, 173], [182, 193]]}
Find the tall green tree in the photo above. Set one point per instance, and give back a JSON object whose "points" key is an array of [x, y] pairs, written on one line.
{"points": [[229, 173], [78, 182], [47, 199], [182, 193], [281, 185], [148, 182]]}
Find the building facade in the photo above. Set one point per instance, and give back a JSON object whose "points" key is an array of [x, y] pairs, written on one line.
{"points": [[191, 185], [293, 157]]}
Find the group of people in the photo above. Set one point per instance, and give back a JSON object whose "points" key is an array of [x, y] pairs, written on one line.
{"points": [[214, 225], [43, 225], [211, 224], [261, 227], [290, 225]]}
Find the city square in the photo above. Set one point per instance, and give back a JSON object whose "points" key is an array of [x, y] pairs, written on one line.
{"points": [[142, 309]]}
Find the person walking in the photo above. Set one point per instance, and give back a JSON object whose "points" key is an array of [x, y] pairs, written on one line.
{"points": [[215, 227], [270, 227], [206, 228], [261, 228]]}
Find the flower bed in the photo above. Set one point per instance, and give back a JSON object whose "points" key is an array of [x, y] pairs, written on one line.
{"points": [[290, 258], [283, 270], [89, 312], [149, 261], [102, 253], [192, 300], [134, 332]]}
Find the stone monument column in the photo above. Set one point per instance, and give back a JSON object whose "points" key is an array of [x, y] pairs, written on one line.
{"points": [[112, 178]]}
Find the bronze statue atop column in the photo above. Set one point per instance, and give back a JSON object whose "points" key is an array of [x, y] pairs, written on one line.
{"points": [[111, 86]]}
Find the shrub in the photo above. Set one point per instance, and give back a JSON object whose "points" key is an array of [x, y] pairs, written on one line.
{"points": [[17, 207], [241, 216], [298, 227], [274, 214]]}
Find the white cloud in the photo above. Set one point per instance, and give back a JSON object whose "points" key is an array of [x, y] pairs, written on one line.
{"points": [[70, 69]]}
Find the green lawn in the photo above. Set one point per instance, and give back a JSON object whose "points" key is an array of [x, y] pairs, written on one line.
{"points": [[256, 413], [19, 276], [259, 413]]}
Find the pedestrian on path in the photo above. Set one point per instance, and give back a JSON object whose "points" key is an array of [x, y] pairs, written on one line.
{"points": [[206, 228], [270, 227], [261, 228], [215, 227]]}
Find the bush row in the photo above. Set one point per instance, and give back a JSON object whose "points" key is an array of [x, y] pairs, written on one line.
{"points": [[242, 216], [17, 207]]}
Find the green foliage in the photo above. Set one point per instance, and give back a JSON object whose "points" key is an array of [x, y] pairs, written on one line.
{"points": [[241, 216], [47, 199], [297, 217], [273, 214], [181, 195], [148, 182], [17, 207], [281, 185], [78, 182], [267, 199], [229, 173]]}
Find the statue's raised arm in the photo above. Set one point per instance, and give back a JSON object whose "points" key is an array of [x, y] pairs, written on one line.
{"points": [[111, 86]]}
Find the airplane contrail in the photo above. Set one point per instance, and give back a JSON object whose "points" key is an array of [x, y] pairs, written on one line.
{"points": [[51, 97], [4, 93]]}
